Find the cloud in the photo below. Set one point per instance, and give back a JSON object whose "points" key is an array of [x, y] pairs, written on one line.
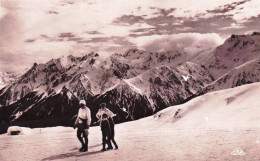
{"points": [[66, 35], [184, 29], [3, 12], [246, 11], [164, 12], [53, 12], [188, 8], [30, 40], [186, 42], [13, 62], [51, 28], [93, 32], [226, 8], [128, 20], [233, 26], [218, 19]]}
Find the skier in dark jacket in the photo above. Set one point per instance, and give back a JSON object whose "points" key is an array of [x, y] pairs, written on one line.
{"points": [[112, 127], [104, 110], [106, 132]]}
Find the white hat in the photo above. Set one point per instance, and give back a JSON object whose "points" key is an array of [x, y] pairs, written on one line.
{"points": [[82, 102]]}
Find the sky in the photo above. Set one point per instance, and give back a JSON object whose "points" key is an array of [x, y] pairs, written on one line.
{"points": [[39, 30]]}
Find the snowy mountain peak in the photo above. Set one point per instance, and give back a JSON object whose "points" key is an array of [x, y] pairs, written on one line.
{"points": [[133, 53], [255, 33], [90, 55], [9, 77], [235, 41], [236, 50], [138, 81]]}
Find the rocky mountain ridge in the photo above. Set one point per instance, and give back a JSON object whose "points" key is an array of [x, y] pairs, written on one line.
{"points": [[133, 85]]}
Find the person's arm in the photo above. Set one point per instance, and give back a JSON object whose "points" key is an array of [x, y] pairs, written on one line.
{"points": [[88, 118], [110, 113], [98, 114], [77, 120]]}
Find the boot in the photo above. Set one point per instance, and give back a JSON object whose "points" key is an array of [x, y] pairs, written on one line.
{"points": [[115, 144], [82, 148], [109, 145], [104, 147]]}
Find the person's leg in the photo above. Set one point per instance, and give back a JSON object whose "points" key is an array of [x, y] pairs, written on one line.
{"points": [[109, 138], [85, 135], [79, 133], [114, 142], [104, 139], [112, 131], [112, 125], [113, 137], [109, 142]]}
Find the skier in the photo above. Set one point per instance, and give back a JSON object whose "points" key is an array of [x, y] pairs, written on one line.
{"points": [[112, 128], [83, 122], [106, 132], [110, 114]]}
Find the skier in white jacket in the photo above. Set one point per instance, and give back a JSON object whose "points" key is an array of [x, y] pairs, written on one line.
{"points": [[83, 122]]}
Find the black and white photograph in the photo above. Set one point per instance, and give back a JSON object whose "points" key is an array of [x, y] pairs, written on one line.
{"points": [[130, 80]]}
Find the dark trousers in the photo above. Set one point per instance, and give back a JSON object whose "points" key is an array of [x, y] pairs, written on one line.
{"points": [[80, 132], [112, 135], [106, 139], [112, 131]]}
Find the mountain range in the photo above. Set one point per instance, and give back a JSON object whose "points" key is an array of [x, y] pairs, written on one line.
{"points": [[134, 85], [8, 77]]}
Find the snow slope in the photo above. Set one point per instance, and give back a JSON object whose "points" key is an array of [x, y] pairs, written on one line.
{"points": [[209, 127], [244, 74], [231, 108]]}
